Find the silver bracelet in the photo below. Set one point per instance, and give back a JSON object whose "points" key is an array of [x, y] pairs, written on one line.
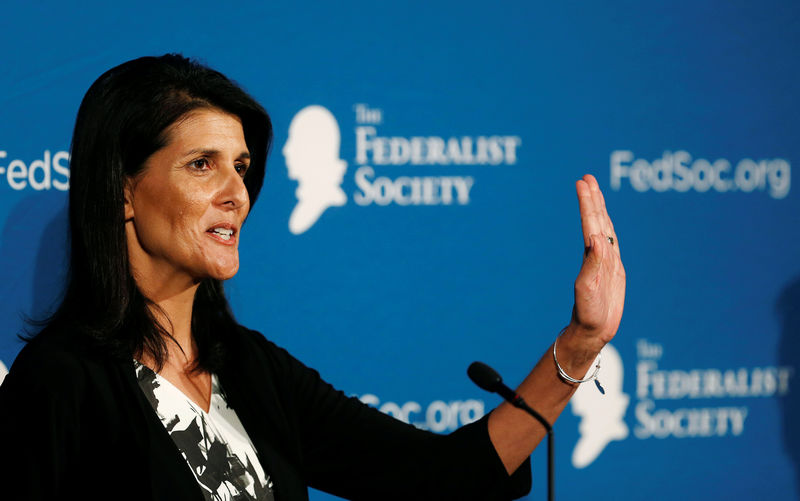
{"points": [[567, 377]]}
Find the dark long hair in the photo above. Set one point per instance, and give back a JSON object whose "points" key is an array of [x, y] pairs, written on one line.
{"points": [[123, 120]]}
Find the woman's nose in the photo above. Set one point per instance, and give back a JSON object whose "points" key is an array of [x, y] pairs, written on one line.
{"points": [[234, 192]]}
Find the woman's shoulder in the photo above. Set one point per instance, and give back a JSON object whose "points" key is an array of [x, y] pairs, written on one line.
{"points": [[254, 351], [57, 360], [48, 351], [254, 343]]}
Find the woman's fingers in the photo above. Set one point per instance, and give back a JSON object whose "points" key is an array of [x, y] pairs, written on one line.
{"points": [[600, 286], [599, 202], [590, 220], [602, 214]]}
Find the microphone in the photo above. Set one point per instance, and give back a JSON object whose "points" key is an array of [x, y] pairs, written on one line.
{"points": [[484, 376], [488, 379]]}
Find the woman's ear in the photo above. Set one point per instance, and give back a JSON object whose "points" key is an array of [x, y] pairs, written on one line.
{"points": [[128, 193]]}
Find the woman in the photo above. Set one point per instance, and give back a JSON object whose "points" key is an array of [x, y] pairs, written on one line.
{"points": [[143, 371]]}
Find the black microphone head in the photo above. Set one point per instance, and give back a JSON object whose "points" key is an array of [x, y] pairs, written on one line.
{"points": [[484, 376]]}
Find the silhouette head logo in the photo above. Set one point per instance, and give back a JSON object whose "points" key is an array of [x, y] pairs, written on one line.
{"points": [[602, 416], [312, 159]]}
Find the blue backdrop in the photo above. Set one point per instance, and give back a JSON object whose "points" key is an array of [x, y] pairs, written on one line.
{"points": [[463, 127]]}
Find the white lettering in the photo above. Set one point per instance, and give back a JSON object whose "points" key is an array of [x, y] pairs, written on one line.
{"points": [[44, 167], [367, 115], [677, 171], [510, 145], [779, 176], [434, 150], [643, 370], [685, 175], [40, 174], [436, 416], [365, 196], [363, 143], [683, 423], [406, 190], [17, 170], [646, 349], [61, 170], [618, 169], [439, 416], [710, 383], [463, 186]]}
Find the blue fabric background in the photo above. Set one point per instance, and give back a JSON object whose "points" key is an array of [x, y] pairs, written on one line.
{"points": [[396, 301]]}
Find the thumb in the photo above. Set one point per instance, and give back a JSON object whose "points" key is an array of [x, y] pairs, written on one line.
{"points": [[594, 254], [592, 263]]}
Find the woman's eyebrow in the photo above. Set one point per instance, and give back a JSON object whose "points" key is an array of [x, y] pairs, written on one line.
{"points": [[212, 152], [201, 151]]}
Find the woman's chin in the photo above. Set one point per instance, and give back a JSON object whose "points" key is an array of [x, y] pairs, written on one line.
{"points": [[228, 274], [221, 266], [224, 272]]}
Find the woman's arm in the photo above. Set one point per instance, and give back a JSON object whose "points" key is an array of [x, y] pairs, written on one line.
{"points": [[340, 445], [599, 299]]}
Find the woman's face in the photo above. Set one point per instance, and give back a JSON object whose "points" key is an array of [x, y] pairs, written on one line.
{"points": [[184, 211]]}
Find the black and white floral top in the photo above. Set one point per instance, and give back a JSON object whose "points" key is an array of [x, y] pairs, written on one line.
{"points": [[214, 443]]}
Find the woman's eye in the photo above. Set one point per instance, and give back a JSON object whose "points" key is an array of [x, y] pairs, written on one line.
{"points": [[242, 169], [200, 164]]}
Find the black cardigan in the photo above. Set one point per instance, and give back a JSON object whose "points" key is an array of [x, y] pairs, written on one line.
{"points": [[74, 424]]}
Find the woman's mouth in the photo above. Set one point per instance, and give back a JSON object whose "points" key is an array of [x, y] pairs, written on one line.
{"points": [[223, 233]]}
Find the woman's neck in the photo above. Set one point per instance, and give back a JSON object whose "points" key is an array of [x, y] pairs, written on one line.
{"points": [[178, 322], [173, 310]]}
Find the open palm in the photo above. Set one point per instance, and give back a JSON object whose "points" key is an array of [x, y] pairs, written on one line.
{"points": [[600, 286]]}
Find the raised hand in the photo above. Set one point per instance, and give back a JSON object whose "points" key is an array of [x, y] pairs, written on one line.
{"points": [[600, 286], [599, 298]]}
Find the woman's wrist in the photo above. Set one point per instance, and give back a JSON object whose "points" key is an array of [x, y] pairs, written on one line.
{"points": [[577, 349]]}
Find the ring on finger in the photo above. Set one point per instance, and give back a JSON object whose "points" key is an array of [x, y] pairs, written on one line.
{"points": [[610, 240]]}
